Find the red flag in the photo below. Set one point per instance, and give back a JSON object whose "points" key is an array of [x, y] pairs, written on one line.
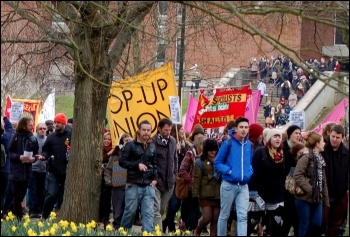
{"points": [[8, 107]]}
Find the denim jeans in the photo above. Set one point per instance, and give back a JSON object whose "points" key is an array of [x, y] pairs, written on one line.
{"points": [[160, 203], [134, 195], [53, 185], [310, 216], [173, 206], [239, 194], [36, 191], [118, 201]]}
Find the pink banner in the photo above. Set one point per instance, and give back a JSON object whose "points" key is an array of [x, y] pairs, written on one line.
{"points": [[191, 113], [334, 116], [252, 108]]}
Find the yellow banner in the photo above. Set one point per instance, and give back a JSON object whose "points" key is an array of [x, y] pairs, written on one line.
{"points": [[142, 97]]}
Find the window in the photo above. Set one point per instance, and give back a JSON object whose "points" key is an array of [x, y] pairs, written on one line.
{"points": [[338, 34], [163, 7]]}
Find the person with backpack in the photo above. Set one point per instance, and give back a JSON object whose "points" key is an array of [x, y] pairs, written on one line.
{"points": [[190, 212], [23, 148], [206, 187], [235, 166], [6, 134]]}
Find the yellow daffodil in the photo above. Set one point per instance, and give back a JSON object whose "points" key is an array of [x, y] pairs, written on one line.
{"points": [[121, 229], [13, 228], [156, 227], [177, 232], [26, 217], [63, 224], [187, 232], [55, 225], [47, 233], [145, 233], [73, 227], [53, 230], [109, 228], [123, 232], [40, 224], [158, 233], [100, 233], [81, 225], [25, 224], [93, 224], [66, 234], [52, 215], [30, 232]]}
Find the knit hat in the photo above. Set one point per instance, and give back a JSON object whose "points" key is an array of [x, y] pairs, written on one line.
{"points": [[273, 132], [60, 118], [291, 129], [255, 130], [196, 129]]}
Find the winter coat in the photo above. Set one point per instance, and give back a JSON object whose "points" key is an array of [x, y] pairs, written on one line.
{"points": [[268, 178], [337, 170], [236, 168], [20, 142], [167, 163], [205, 185], [133, 154], [304, 176], [55, 151]]}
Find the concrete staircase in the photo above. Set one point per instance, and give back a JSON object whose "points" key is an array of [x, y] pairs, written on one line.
{"points": [[273, 95]]}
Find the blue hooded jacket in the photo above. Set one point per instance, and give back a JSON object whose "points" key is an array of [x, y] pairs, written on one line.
{"points": [[238, 168]]}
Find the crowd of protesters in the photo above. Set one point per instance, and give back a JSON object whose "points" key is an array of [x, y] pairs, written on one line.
{"points": [[292, 83], [236, 180]]}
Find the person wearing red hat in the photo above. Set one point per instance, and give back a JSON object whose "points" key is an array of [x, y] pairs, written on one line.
{"points": [[56, 151], [256, 135]]}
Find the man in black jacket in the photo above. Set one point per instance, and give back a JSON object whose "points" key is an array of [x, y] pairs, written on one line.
{"points": [[139, 157], [56, 151], [336, 156]]}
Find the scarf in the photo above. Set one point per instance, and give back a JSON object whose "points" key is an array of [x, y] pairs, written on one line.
{"points": [[319, 164], [163, 139], [276, 155]]}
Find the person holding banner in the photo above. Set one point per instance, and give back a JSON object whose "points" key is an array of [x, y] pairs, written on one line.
{"points": [[167, 167]]}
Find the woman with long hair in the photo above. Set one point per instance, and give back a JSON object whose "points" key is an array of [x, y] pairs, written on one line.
{"points": [[310, 175], [206, 187], [106, 188]]}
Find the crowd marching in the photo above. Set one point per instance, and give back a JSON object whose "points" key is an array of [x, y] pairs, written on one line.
{"points": [[281, 73], [241, 179]]}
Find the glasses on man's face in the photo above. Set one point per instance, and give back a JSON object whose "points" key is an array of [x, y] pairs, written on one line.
{"points": [[41, 128]]}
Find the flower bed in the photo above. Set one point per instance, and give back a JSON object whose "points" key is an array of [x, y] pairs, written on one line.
{"points": [[10, 226]]}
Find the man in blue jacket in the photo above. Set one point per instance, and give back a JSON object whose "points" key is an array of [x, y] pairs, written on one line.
{"points": [[234, 162]]}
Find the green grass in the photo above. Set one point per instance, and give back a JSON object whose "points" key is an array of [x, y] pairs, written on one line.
{"points": [[64, 104]]}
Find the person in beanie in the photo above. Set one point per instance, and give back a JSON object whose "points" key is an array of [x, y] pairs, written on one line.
{"points": [[290, 217], [268, 181], [56, 151], [256, 135]]}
